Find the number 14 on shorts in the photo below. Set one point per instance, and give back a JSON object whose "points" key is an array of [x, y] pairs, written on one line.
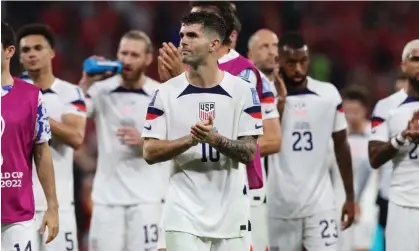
{"points": [[28, 247]]}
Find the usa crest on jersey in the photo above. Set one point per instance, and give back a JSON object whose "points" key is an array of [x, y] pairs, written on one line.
{"points": [[206, 109]]}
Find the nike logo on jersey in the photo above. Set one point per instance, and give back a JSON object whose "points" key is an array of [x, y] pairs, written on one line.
{"points": [[148, 127], [269, 111], [257, 126]]}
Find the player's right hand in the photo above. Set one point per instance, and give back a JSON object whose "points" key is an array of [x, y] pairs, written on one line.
{"points": [[88, 79], [162, 70], [348, 214], [50, 221], [171, 59]]}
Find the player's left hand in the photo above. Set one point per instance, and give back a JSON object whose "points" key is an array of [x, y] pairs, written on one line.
{"points": [[50, 221], [348, 214], [129, 136], [203, 130], [171, 59]]}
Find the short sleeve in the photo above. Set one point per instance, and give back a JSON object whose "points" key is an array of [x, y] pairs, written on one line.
{"points": [[269, 110], [340, 120], [379, 126], [42, 127], [76, 103], [249, 76], [155, 125], [92, 97], [250, 122]]}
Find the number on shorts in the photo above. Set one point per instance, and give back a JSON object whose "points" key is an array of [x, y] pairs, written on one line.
{"points": [[412, 153], [27, 248], [325, 232], [69, 240], [212, 158], [151, 231]]}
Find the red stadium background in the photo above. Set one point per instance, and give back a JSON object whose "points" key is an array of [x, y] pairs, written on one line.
{"points": [[351, 43]]}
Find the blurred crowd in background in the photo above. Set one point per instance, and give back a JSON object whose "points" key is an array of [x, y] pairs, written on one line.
{"points": [[351, 43]]}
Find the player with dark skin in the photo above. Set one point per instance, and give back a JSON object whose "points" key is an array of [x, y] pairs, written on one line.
{"points": [[291, 77], [381, 152]]}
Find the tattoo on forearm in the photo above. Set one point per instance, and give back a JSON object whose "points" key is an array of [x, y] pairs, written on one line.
{"points": [[242, 150]]}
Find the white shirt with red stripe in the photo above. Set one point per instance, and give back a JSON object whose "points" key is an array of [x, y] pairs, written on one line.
{"points": [[380, 114], [404, 185], [60, 99], [299, 184], [206, 196]]}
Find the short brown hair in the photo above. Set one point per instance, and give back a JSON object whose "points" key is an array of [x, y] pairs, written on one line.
{"points": [[356, 93], [140, 35]]}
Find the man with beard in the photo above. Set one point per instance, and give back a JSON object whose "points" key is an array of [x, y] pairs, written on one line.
{"points": [[67, 117], [301, 207], [263, 52], [395, 137], [127, 193]]}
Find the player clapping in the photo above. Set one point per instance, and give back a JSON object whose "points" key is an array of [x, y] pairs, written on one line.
{"points": [[187, 121], [397, 139]]}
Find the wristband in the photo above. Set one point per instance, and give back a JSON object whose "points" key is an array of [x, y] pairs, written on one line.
{"points": [[395, 144], [400, 139]]}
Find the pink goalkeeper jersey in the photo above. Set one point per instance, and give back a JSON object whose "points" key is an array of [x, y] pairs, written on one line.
{"points": [[235, 67], [18, 118]]}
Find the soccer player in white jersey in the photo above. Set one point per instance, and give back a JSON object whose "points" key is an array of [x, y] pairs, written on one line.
{"points": [[263, 52], [127, 193], [270, 141], [66, 110], [188, 121], [396, 138], [301, 207], [379, 115], [361, 235]]}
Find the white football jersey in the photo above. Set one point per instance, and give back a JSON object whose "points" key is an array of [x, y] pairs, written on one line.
{"points": [[380, 114], [404, 185], [123, 177], [301, 186], [60, 99], [206, 196]]}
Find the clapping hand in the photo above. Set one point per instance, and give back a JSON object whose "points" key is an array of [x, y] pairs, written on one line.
{"points": [[281, 89], [412, 131], [203, 130], [170, 61]]}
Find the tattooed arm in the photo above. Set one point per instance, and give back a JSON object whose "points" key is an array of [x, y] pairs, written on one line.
{"points": [[242, 150]]}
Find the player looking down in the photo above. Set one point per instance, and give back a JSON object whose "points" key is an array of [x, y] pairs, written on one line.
{"points": [[207, 121]]}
